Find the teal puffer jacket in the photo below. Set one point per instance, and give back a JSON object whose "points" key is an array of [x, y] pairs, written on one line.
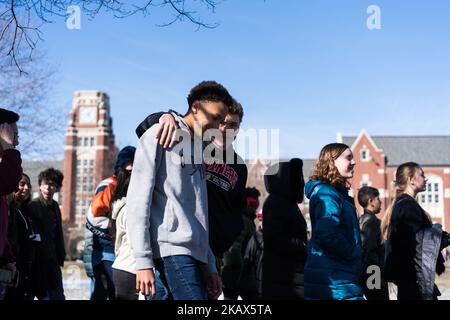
{"points": [[334, 258]]}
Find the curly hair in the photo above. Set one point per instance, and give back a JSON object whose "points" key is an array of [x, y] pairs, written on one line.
{"points": [[325, 169], [209, 91]]}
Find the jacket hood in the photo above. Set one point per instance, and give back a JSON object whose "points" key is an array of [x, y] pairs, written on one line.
{"points": [[310, 186], [286, 180]]}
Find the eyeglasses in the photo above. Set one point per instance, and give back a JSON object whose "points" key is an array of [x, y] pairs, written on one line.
{"points": [[230, 124]]}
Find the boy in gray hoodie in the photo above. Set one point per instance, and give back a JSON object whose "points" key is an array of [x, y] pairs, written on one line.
{"points": [[167, 202]]}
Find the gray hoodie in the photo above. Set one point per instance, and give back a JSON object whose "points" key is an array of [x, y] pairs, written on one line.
{"points": [[167, 196]]}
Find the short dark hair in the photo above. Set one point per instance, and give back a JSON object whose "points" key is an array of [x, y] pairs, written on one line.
{"points": [[51, 174], [236, 108], [8, 116], [365, 194], [209, 91], [252, 192]]}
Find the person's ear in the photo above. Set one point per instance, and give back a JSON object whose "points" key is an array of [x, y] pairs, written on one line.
{"points": [[195, 107]]}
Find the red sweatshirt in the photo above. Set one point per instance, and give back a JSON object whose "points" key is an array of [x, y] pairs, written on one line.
{"points": [[10, 175]]}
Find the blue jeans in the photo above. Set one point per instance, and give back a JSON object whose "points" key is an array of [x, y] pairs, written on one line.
{"points": [[182, 278]]}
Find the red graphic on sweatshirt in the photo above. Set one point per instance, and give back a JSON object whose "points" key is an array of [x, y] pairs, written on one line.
{"points": [[224, 170]]}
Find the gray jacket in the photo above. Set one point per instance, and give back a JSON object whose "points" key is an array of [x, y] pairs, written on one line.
{"points": [[427, 252], [167, 196]]}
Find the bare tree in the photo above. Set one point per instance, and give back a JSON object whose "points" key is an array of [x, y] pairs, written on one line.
{"points": [[40, 131], [21, 19]]}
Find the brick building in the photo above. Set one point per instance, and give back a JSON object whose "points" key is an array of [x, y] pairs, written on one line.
{"points": [[377, 158], [89, 156]]}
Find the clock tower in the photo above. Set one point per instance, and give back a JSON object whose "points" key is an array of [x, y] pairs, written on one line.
{"points": [[89, 156]]}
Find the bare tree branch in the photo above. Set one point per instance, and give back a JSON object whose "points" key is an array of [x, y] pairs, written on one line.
{"points": [[22, 19], [40, 130]]}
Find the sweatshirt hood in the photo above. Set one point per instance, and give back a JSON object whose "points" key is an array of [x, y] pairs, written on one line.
{"points": [[286, 180], [310, 186]]}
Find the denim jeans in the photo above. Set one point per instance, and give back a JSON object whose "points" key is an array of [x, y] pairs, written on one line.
{"points": [[182, 277]]}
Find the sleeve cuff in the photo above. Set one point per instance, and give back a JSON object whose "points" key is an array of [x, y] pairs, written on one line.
{"points": [[144, 263]]}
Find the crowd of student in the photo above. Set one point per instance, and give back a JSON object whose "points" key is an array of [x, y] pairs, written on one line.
{"points": [[170, 227]]}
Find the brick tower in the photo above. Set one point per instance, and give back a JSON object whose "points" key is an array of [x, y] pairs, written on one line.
{"points": [[89, 155]]}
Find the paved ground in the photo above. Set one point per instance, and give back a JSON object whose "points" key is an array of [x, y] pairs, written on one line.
{"points": [[77, 284]]}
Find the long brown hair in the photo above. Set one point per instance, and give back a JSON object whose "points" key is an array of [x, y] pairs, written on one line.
{"points": [[404, 172], [325, 170]]}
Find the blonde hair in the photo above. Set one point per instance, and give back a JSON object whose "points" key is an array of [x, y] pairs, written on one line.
{"points": [[325, 169], [404, 172]]}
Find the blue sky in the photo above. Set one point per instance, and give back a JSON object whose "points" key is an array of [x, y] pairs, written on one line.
{"points": [[309, 68]]}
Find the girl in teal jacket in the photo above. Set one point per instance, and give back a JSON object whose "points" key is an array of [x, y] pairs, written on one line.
{"points": [[334, 259]]}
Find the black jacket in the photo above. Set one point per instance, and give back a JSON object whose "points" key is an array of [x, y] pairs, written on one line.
{"points": [[19, 232], [250, 282], [226, 196], [371, 240], [285, 232], [404, 247], [51, 253]]}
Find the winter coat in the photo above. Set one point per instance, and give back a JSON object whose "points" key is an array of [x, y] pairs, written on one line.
{"points": [[10, 173], [426, 258], [250, 281], [413, 248], [371, 241], [334, 259], [51, 253], [19, 232], [285, 232], [98, 225]]}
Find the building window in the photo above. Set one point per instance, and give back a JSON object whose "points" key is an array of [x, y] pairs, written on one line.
{"points": [[365, 155], [78, 163], [86, 141], [92, 141], [79, 141], [91, 162], [431, 198]]}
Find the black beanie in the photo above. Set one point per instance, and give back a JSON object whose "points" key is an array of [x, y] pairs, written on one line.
{"points": [[7, 116], [126, 155]]}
